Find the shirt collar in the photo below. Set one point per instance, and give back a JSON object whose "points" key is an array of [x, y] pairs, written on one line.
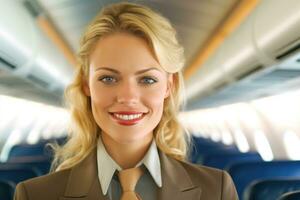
{"points": [[152, 163], [107, 166]]}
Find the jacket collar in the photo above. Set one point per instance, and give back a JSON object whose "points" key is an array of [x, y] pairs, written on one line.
{"points": [[83, 183], [177, 183]]}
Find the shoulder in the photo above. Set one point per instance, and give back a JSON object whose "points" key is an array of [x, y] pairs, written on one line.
{"points": [[201, 174], [57, 181], [54, 185], [210, 180]]}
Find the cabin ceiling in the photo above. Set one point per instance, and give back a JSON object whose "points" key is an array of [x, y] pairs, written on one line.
{"points": [[12, 85], [281, 78], [195, 20]]}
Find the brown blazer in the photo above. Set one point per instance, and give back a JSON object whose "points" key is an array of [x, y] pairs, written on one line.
{"points": [[180, 180]]}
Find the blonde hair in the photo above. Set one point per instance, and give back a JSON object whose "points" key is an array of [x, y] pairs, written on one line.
{"points": [[140, 21]]}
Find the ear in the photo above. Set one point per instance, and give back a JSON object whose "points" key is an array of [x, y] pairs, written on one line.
{"points": [[169, 85], [86, 87]]}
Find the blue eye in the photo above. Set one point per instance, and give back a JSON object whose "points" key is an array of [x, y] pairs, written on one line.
{"points": [[148, 80], [107, 79], [111, 80]]}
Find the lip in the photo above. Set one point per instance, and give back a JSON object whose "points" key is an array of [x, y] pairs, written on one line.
{"points": [[127, 122], [127, 112]]}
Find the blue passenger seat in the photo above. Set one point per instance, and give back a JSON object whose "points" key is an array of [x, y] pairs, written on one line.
{"points": [[201, 146], [17, 174], [271, 189], [224, 158], [29, 150], [291, 196], [245, 173], [6, 190], [41, 163]]}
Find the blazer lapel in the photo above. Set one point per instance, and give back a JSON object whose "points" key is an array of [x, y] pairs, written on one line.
{"points": [[177, 184], [83, 183]]}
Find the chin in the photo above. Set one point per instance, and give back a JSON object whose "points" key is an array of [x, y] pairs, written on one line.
{"points": [[124, 139]]}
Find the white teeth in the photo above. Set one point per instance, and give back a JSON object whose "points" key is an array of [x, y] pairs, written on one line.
{"points": [[128, 117]]}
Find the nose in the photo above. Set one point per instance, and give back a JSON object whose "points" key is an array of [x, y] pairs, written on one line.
{"points": [[128, 93]]}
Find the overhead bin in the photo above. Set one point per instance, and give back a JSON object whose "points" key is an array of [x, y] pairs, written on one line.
{"points": [[25, 50], [269, 36]]}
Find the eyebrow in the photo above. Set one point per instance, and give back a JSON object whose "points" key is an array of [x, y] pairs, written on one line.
{"points": [[136, 73]]}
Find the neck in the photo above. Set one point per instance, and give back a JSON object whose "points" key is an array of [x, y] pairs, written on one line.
{"points": [[127, 155]]}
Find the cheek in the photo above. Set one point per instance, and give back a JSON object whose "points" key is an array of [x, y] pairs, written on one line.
{"points": [[155, 98], [101, 98]]}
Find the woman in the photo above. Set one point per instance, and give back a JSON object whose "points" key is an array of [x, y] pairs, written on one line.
{"points": [[124, 103]]}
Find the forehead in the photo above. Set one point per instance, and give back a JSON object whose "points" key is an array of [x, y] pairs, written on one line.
{"points": [[123, 51]]}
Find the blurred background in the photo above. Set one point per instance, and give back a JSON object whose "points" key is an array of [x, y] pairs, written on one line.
{"points": [[242, 73]]}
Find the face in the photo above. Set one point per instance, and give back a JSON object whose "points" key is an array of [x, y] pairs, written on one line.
{"points": [[127, 87]]}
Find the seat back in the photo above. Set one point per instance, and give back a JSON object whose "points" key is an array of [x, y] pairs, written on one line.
{"points": [[291, 196], [16, 173], [244, 173], [271, 189], [42, 163], [6, 190], [201, 146], [222, 159], [39, 149]]}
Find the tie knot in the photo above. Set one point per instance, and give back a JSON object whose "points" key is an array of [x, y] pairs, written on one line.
{"points": [[129, 178]]}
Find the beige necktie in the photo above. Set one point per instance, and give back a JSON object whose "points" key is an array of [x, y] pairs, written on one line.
{"points": [[128, 179]]}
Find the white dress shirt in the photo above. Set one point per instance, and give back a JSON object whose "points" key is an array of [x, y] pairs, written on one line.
{"points": [[146, 187]]}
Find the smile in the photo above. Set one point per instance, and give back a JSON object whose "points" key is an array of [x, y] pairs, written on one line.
{"points": [[127, 119]]}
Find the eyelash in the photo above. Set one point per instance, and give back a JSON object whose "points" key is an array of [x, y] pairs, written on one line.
{"points": [[102, 78]]}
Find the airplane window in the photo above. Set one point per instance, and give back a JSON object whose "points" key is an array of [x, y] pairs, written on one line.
{"points": [[241, 140], [263, 146], [33, 136], [226, 137], [18, 126], [13, 139], [205, 134], [215, 136], [292, 145]]}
